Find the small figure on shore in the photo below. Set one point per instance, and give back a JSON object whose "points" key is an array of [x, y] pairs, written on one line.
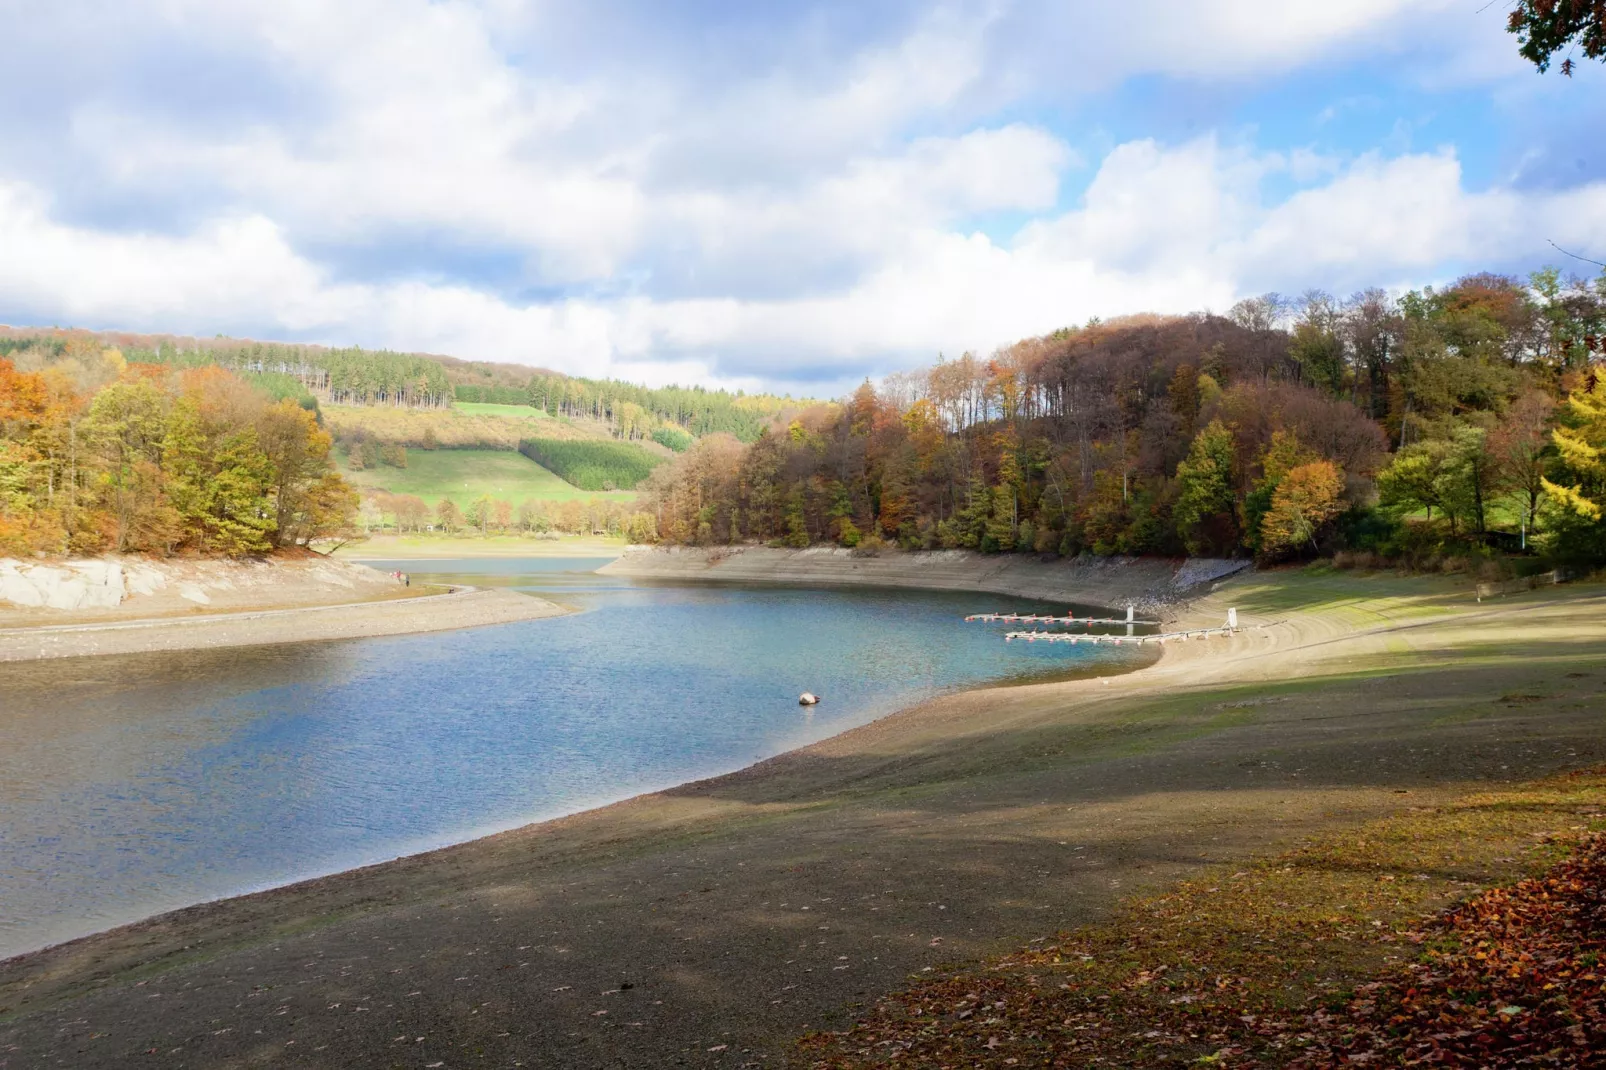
{"points": [[808, 698]]}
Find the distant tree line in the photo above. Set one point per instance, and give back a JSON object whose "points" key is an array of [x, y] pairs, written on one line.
{"points": [[350, 376], [634, 412], [309, 374], [1449, 421], [496, 516]]}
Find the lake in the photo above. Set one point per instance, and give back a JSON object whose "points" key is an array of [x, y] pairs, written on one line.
{"points": [[134, 785]]}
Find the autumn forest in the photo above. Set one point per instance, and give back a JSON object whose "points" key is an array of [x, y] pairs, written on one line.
{"points": [[1440, 425], [1443, 424], [100, 454]]}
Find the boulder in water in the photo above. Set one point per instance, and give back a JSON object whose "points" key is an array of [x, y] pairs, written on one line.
{"points": [[808, 698]]}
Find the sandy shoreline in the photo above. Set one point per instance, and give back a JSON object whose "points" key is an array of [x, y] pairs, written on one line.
{"points": [[467, 608], [710, 924]]}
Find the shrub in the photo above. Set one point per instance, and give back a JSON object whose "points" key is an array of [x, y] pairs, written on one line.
{"points": [[1368, 530], [870, 546], [1365, 560], [674, 438], [641, 528]]}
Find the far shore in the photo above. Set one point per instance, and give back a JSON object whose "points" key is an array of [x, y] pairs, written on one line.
{"points": [[454, 547], [134, 605], [714, 923], [431, 610], [1159, 586]]}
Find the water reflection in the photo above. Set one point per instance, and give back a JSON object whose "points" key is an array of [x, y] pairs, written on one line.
{"points": [[130, 785]]}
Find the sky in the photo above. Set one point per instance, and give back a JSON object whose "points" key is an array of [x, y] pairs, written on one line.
{"points": [[788, 195]]}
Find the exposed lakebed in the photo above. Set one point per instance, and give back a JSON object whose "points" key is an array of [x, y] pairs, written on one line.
{"points": [[132, 785]]}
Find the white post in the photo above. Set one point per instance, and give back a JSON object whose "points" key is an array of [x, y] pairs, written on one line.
{"points": [[1129, 614], [1232, 618]]}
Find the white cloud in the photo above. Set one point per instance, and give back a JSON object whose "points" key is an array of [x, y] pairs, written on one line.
{"points": [[1161, 229], [1086, 46], [809, 218]]}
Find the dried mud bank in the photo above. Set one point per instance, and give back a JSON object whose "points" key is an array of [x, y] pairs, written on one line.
{"points": [[1154, 585]]}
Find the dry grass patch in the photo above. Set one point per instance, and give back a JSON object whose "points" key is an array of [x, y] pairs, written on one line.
{"points": [[1234, 969]]}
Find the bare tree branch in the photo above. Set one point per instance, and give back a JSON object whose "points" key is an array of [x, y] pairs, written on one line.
{"points": [[1575, 256]]}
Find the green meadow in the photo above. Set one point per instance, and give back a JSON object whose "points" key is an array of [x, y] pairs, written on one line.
{"points": [[466, 475]]}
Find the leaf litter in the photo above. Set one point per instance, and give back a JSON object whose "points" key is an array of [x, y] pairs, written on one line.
{"points": [[1379, 946]]}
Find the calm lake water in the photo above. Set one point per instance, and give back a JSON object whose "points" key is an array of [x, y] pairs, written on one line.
{"points": [[133, 785]]}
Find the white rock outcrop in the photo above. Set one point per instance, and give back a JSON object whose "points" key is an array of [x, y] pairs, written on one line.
{"points": [[143, 579], [137, 583], [92, 584], [191, 593]]}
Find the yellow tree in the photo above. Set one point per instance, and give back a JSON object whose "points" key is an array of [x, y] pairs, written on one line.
{"points": [[124, 430], [24, 472], [1307, 497], [1575, 517], [311, 501], [1583, 451]]}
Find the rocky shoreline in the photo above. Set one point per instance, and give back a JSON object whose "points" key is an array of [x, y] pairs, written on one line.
{"points": [[52, 590], [305, 624], [112, 605], [1154, 585]]}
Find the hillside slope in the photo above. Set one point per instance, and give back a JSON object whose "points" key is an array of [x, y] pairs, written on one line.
{"points": [[464, 476]]}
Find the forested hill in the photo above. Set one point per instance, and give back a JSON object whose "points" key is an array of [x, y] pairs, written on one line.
{"points": [[672, 415], [350, 376], [1445, 422], [697, 410]]}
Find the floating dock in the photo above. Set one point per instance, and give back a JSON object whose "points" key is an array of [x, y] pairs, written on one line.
{"points": [[1034, 618], [1030, 618], [1227, 630], [1139, 640]]}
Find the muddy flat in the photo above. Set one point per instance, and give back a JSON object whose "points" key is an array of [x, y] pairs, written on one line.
{"points": [[712, 924]]}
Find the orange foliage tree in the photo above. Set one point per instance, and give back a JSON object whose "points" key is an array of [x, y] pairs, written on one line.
{"points": [[1307, 497]]}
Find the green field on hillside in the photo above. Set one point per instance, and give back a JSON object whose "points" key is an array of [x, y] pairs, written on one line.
{"points": [[464, 426], [484, 408], [594, 465], [466, 475]]}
